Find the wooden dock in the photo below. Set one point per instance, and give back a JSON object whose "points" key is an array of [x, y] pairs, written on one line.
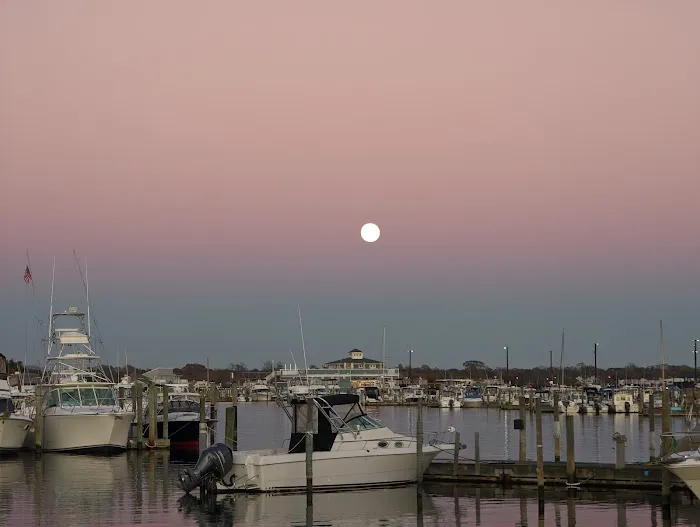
{"points": [[587, 475]]}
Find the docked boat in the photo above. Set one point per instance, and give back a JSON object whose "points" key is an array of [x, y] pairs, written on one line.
{"points": [[472, 397], [14, 426], [80, 406], [623, 403], [450, 399], [350, 449], [260, 392]]}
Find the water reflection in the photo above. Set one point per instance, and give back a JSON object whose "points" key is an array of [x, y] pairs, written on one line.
{"points": [[132, 489]]}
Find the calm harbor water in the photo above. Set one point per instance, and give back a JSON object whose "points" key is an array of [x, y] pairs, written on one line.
{"points": [[142, 488]]}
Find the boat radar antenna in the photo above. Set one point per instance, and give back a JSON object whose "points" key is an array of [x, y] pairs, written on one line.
{"points": [[303, 347]]}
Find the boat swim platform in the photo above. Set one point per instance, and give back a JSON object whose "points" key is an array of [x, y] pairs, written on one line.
{"points": [[588, 475]]}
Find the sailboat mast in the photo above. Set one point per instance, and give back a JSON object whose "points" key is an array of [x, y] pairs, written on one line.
{"points": [[663, 358], [561, 360], [87, 297]]}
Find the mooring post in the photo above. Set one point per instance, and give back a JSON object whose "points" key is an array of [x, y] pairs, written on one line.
{"points": [[39, 395], [455, 460], [540, 452], [652, 426], [202, 422], [166, 404], [137, 393], [557, 429], [152, 414], [665, 447], [234, 429], [477, 460], [570, 459], [309, 451], [120, 397], [522, 456], [230, 426], [419, 441], [620, 441]]}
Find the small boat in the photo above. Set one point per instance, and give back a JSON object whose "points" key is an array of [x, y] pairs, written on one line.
{"points": [[686, 466], [472, 397], [14, 426], [260, 393], [350, 449]]}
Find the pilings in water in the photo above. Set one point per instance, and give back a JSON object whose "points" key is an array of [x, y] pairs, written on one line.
{"points": [[570, 459], [540, 461], [166, 398], [522, 454], [137, 394], [620, 441], [666, 447], [309, 452], [557, 429], [203, 432], [477, 455], [152, 414], [39, 396], [419, 443], [455, 455], [652, 425]]}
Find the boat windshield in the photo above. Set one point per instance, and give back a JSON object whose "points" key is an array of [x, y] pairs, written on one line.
{"points": [[83, 396], [360, 421]]}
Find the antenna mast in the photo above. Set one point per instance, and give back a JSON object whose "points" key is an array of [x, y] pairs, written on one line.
{"points": [[87, 296], [303, 346], [383, 354]]}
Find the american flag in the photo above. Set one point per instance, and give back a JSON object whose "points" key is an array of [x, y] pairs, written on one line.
{"points": [[27, 275]]}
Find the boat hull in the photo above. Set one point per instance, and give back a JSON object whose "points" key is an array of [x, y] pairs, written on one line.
{"points": [[260, 397], [268, 471], [86, 432], [13, 432], [475, 402], [689, 472]]}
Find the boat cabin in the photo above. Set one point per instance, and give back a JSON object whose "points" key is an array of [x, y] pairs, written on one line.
{"points": [[331, 415]]}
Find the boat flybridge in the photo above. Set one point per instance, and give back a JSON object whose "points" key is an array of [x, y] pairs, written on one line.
{"points": [[79, 402], [350, 449]]}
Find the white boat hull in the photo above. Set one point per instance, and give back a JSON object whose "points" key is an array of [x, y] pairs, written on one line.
{"points": [[475, 402], [689, 472], [260, 397], [13, 432], [276, 470], [450, 402], [78, 431]]}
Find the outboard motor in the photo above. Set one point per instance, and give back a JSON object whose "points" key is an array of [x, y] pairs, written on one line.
{"points": [[213, 463]]}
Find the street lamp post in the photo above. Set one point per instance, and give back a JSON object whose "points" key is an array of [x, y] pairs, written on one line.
{"points": [[506, 348], [410, 369]]}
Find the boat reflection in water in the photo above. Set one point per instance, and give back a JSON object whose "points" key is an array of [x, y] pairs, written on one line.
{"points": [[363, 507]]}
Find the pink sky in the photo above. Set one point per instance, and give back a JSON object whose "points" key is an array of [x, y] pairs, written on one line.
{"points": [[511, 139]]}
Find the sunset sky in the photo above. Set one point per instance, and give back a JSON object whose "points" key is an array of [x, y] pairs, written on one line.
{"points": [[532, 166]]}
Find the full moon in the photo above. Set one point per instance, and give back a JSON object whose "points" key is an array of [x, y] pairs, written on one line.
{"points": [[369, 232]]}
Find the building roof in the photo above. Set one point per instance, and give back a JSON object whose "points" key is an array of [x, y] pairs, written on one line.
{"points": [[354, 361]]}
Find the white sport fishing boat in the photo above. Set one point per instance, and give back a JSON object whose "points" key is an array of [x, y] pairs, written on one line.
{"points": [[14, 426], [79, 401], [351, 449]]}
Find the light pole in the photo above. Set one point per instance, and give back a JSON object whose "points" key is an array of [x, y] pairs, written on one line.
{"points": [[595, 362], [506, 348], [551, 366], [410, 369]]}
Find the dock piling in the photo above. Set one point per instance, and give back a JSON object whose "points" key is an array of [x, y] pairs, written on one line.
{"points": [[166, 399], [570, 460], [309, 452], [477, 461], [540, 453], [522, 456], [557, 429], [39, 395], [419, 442], [620, 441], [652, 425], [152, 414], [202, 422], [455, 460], [666, 447], [137, 394]]}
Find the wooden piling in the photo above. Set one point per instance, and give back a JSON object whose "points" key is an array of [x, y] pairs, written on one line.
{"points": [[666, 446], [477, 460], [152, 414], [137, 394], [202, 422], [230, 427], [455, 459], [522, 455], [570, 459], [557, 429], [652, 426], [620, 452], [39, 396], [234, 426], [309, 451], [166, 404], [540, 452], [120, 397], [419, 442]]}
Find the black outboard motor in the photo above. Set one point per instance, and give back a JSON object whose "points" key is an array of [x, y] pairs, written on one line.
{"points": [[213, 463]]}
